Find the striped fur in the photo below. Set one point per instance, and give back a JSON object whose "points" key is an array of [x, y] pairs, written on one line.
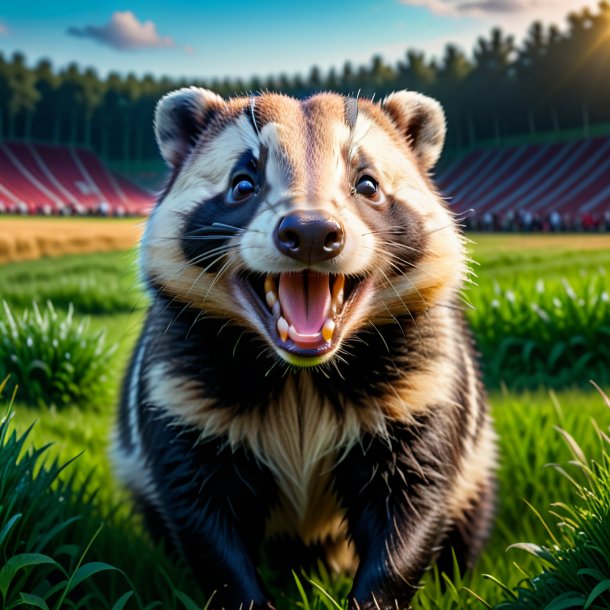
{"points": [[376, 452]]}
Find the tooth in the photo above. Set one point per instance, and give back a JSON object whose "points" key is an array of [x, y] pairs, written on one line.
{"points": [[328, 329], [277, 310], [271, 298], [270, 285], [338, 286], [282, 329]]}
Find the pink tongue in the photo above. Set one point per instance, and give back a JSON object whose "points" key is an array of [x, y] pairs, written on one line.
{"points": [[305, 299]]}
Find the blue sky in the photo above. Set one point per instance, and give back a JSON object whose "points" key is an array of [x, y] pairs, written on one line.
{"points": [[244, 37]]}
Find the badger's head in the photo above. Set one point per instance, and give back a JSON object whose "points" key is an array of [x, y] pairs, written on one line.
{"points": [[305, 222]]}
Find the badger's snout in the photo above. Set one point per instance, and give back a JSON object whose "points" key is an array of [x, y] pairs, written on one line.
{"points": [[309, 236]]}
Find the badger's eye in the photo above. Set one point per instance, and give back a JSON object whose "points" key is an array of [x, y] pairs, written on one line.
{"points": [[368, 187], [242, 188]]}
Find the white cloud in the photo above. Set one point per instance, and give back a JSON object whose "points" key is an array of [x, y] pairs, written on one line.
{"points": [[513, 16], [534, 9], [125, 33], [3, 29]]}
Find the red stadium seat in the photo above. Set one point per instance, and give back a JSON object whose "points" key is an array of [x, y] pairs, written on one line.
{"points": [[43, 178], [534, 180]]}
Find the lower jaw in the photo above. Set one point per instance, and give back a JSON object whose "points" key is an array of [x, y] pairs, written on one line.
{"points": [[304, 361], [307, 355]]}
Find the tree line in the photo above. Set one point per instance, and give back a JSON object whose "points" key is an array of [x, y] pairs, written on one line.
{"points": [[553, 80]]}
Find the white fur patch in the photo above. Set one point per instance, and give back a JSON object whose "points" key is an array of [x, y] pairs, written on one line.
{"points": [[324, 188], [210, 165]]}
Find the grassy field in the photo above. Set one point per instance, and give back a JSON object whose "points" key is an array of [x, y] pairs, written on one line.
{"points": [[105, 287], [529, 442], [540, 308]]}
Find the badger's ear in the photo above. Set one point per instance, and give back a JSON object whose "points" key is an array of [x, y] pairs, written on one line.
{"points": [[180, 117], [421, 120]]}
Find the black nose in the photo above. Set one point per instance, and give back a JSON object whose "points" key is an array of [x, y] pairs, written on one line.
{"points": [[309, 236]]}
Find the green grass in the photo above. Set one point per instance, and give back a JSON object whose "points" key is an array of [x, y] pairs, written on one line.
{"points": [[93, 283], [53, 357], [574, 566], [529, 441], [540, 308], [527, 421], [65, 547], [510, 259], [546, 333]]}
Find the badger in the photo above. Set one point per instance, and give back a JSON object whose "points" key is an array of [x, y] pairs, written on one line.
{"points": [[304, 381]]}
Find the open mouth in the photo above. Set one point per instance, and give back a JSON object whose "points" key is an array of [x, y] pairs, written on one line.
{"points": [[304, 311]]}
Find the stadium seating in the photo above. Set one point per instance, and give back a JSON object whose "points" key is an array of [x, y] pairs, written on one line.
{"points": [[47, 179], [556, 186], [564, 183]]}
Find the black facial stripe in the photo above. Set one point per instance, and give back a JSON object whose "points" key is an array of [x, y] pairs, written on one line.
{"points": [[210, 226], [409, 244], [251, 115], [399, 233], [213, 223], [246, 162], [363, 163]]}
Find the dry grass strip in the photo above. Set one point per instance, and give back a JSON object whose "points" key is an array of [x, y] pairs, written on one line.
{"points": [[32, 238]]}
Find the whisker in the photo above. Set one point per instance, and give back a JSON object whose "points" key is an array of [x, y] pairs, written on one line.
{"points": [[174, 318], [451, 224], [405, 275], [223, 327], [380, 335], [272, 205], [226, 226], [203, 257], [384, 232], [237, 342], [204, 270], [216, 278], [402, 330], [402, 301], [403, 261], [401, 245], [198, 237], [199, 316]]}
